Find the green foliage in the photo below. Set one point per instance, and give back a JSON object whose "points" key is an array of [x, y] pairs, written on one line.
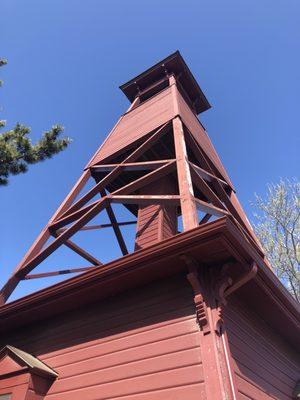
{"points": [[17, 151], [278, 229]]}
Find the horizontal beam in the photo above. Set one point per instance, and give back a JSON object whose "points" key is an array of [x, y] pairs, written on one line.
{"points": [[102, 226], [71, 217], [146, 179], [207, 175], [145, 199], [55, 273], [210, 209], [111, 176], [138, 166]]}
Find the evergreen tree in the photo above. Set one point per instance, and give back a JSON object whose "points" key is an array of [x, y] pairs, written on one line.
{"points": [[17, 151]]}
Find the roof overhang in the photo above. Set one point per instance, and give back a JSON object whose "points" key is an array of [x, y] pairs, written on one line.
{"points": [[211, 244], [173, 64]]}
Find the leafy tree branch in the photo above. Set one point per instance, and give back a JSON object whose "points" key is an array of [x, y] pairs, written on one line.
{"points": [[278, 229]]}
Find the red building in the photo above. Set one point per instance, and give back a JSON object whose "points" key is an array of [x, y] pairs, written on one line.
{"points": [[194, 312]]}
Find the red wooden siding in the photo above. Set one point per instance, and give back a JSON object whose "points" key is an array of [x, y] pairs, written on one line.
{"points": [[148, 226], [192, 123], [156, 222], [265, 366], [149, 116], [169, 222], [137, 123], [142, 345], [15, 385]]}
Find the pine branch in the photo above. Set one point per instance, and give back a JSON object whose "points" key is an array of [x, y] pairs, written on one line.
{"points": [[17, 151]]}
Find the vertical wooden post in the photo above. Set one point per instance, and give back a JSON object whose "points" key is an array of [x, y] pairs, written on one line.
{"points": [[218, 373], [187, 201]]}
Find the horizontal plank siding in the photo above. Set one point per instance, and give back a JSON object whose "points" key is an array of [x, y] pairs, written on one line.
{"points": [[156, 222], [265, 366], [140, 345], [192, 123], [137, 123]]}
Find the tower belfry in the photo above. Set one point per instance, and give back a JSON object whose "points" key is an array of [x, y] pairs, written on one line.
{"points": [[158, 161]]}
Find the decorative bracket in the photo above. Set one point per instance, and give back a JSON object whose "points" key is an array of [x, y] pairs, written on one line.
{"points": [[201, 308], [228, 287]]}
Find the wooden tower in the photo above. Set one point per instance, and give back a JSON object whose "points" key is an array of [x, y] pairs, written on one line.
{"points": [[196, 288]]}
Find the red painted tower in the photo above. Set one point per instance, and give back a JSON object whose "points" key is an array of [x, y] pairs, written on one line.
{"points": [[196, 301]]}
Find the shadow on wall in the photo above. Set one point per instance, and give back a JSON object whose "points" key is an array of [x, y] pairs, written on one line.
{"points": [[264, 364]]}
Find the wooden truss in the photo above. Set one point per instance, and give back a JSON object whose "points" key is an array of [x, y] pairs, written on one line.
{"points": [[214, 198]]}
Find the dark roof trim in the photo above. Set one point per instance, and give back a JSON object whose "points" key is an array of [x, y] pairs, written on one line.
{"points": [[33, 363], [142, 262], [176, 65]]}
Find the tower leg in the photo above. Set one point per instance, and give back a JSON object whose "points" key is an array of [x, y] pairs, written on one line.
{"points": [[187, 201]]}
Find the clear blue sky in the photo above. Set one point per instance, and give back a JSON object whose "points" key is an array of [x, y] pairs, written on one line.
{"points": [[67, 59]]}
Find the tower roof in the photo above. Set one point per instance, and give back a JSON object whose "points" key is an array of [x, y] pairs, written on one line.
{"points": [[173, 64]]}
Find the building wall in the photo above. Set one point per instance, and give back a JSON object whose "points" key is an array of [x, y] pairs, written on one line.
{"points": [[140, 345], [265, 366]]}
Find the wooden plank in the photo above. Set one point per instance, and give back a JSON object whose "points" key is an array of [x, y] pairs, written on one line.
{"points": [[35, 252], [71, 217], [210, 208], [61, 239], [102, 226], [133, 372], [205, 189], [207, 175], [238, 213], [187, 202], [83, 253], [60, 272], [136, 166], [201, 137], [43, 237], [146, 179], [145, 199], [205, 219], [118, 170], [136, 124], [131, 107], [117, 231]]}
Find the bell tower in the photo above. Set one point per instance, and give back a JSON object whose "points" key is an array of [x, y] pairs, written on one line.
{"points": [[158, 162]]}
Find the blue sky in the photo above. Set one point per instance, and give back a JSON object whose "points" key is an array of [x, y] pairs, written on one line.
{"points": [[67, 59]]}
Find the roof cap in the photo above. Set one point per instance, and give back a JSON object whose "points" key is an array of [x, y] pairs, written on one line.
{"points": [[173, 64]]}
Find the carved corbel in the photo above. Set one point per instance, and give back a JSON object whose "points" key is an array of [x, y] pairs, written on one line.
{"points": [[242, 280], [200, 304]]}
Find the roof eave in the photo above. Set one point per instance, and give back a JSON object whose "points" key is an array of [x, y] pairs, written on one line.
{"points": [[144, 264]]}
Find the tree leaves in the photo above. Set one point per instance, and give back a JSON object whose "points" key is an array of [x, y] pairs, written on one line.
{"points": [[278, 229]]}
